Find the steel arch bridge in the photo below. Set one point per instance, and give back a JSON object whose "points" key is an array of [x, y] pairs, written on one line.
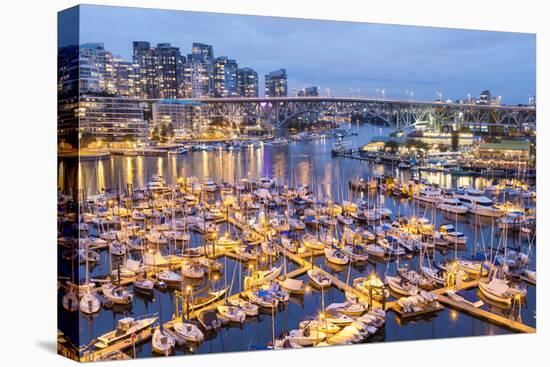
{"points": [[277, 111]]}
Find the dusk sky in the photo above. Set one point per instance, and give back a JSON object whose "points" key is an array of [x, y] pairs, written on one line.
{"points": [[349, 58]]}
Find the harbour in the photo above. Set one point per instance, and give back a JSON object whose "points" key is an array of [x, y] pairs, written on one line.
{"points": [[242, 211]]}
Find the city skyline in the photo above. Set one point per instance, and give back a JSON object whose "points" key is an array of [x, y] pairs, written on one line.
{"points": [[419, 63]]}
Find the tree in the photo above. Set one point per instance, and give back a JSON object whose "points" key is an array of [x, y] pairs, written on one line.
{"points": [[464, 129], [391, 146], [455, 140], [86, 139], [155, 135]]}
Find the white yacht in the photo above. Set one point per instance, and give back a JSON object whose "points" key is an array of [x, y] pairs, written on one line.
{"points": [[452, 205], [449, 233], [478, 203], [428, 195]]}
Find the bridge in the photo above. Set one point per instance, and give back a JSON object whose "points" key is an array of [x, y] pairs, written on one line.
{"points": [[278, 111]]}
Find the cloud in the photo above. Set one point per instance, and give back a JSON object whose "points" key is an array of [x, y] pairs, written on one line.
{"points": [[336, 55]]}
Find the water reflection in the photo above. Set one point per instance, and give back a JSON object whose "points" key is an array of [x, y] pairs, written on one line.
{"points": [[304, 163]]}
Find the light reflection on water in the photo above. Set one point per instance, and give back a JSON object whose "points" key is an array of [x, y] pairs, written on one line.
{"points": [[304, 163]]}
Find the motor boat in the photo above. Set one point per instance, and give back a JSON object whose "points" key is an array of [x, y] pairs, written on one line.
{"points": [[478, 203], [126, 327], [450, 234]]}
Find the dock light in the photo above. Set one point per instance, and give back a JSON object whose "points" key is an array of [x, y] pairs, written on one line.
{"points": [[454, 315], [215, 277], [518, 297], [322, 316], [189, 288], [250, 267], [308, 289]]}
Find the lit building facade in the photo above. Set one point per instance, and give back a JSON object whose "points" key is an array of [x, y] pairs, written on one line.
{"points": [[127, 79], [309, 92], [225, 77], [247, 82], [98, 64], [506, 150], [179, 114], [199, 72], [144, 56], [112, 119], [276, 84], [168, 60]]}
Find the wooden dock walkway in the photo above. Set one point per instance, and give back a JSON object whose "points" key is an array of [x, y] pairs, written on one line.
{"points": [[101, 354], [465, 285], [303, 266], [486, 315], [335, 280]]}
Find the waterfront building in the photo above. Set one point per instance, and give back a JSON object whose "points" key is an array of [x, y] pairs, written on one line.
{"points": [[111, 119], [507, 150], [67, 70], [99, 66], [160, 69], [247, 82], [443, 138], [168, 61], [176, 113], [377, 144], [127, 79], [225, 77], [276, 84], [144, 56], [309, 92], [199, 72], [88, 76], [484, 98]]}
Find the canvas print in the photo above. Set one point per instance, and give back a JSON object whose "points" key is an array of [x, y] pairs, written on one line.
{"points": [[235, 183]]}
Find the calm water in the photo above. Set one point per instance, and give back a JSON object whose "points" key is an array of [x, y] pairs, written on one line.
{"points": [[308, 163]]}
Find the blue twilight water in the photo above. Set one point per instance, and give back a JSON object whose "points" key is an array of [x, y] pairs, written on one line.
{"points": [[308, 163]]}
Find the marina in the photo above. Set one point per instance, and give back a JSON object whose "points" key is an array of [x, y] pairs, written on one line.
{"points": [[210, 237]]}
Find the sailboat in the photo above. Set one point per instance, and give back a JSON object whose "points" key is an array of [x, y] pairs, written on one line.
{"points": [[260, 277], [169, 277], [320, 325], [269, 248], [247, 307], [70, 301], [117, 294], [336, 256], [191, 270], [318, 278], [401, 287], [306, 337], [162, 342], [189, 331], [231, 313], [295, 286], [500, 291], [90, 303], [144, 285]]}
